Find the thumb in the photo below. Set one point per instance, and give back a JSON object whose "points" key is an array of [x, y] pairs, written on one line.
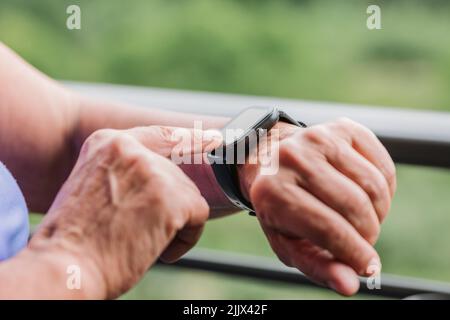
{"points": [[174, 141], [182, 243]]}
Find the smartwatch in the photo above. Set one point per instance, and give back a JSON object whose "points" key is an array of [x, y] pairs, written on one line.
{"points": [[240, 136]]}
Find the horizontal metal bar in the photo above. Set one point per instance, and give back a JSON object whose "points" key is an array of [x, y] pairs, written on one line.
{"points": [[267, 269], [414, 137], [263, 268]]}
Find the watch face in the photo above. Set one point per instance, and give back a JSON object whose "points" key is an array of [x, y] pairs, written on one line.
{"points": [[247, 120]]}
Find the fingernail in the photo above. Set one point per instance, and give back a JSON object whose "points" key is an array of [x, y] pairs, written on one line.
{"points": [[374, 266]]}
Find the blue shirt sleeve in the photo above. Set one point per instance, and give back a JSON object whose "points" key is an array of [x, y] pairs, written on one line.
{"points": [[14, 225]]}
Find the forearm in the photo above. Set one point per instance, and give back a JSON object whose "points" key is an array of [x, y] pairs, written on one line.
{"points": [[36, 125], [96, 114], [43, 125]]}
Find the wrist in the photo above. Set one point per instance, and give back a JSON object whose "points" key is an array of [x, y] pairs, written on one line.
{"points": [[248, 172], [203, 177], [66, 273]]}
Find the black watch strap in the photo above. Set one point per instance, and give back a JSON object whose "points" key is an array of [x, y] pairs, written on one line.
{"points": [[239, 199], [283, 116], [228, 175]]}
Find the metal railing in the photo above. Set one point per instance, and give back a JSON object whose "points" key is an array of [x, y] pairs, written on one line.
{"points": [[411, 137]]}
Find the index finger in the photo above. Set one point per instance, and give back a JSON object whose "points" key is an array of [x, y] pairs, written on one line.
{"points": [[172, 142], [295, 212]]}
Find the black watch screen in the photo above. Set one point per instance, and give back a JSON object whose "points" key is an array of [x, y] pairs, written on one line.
{"points": [[240, 135]]}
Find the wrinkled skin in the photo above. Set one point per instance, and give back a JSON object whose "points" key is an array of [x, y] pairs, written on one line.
{"points": [[322, 211], [123, 206]]}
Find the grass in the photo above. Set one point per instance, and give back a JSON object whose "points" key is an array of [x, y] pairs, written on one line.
{"points": [[319, 50]]}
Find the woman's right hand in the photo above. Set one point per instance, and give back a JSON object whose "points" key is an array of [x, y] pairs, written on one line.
{"points": [[123, 206]]}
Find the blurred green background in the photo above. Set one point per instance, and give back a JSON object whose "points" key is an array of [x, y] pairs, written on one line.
{"points": [[318, 50]]}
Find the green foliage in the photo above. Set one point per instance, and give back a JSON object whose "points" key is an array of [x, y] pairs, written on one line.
{"points": [[317, 50]]}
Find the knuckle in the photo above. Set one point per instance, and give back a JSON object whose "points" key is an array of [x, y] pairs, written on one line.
{"points": [[320, 140], [334, 148], [277, 199], [261, 188], [303, 162], [356, 127], [317, 134], [97, 139], [174, 223], [352, 127], [287, 155], [341, 151], [369, 228], [163, 133], [161, 176], [142, 163], [375, 187], [357, 202], [334, 240], [378, 191], [391, 173], [359, 206], [373, 234], [354, 251], [158, 198], [315, 272], [118, 147], [345, 122], [286, 149], [102, 135]]}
